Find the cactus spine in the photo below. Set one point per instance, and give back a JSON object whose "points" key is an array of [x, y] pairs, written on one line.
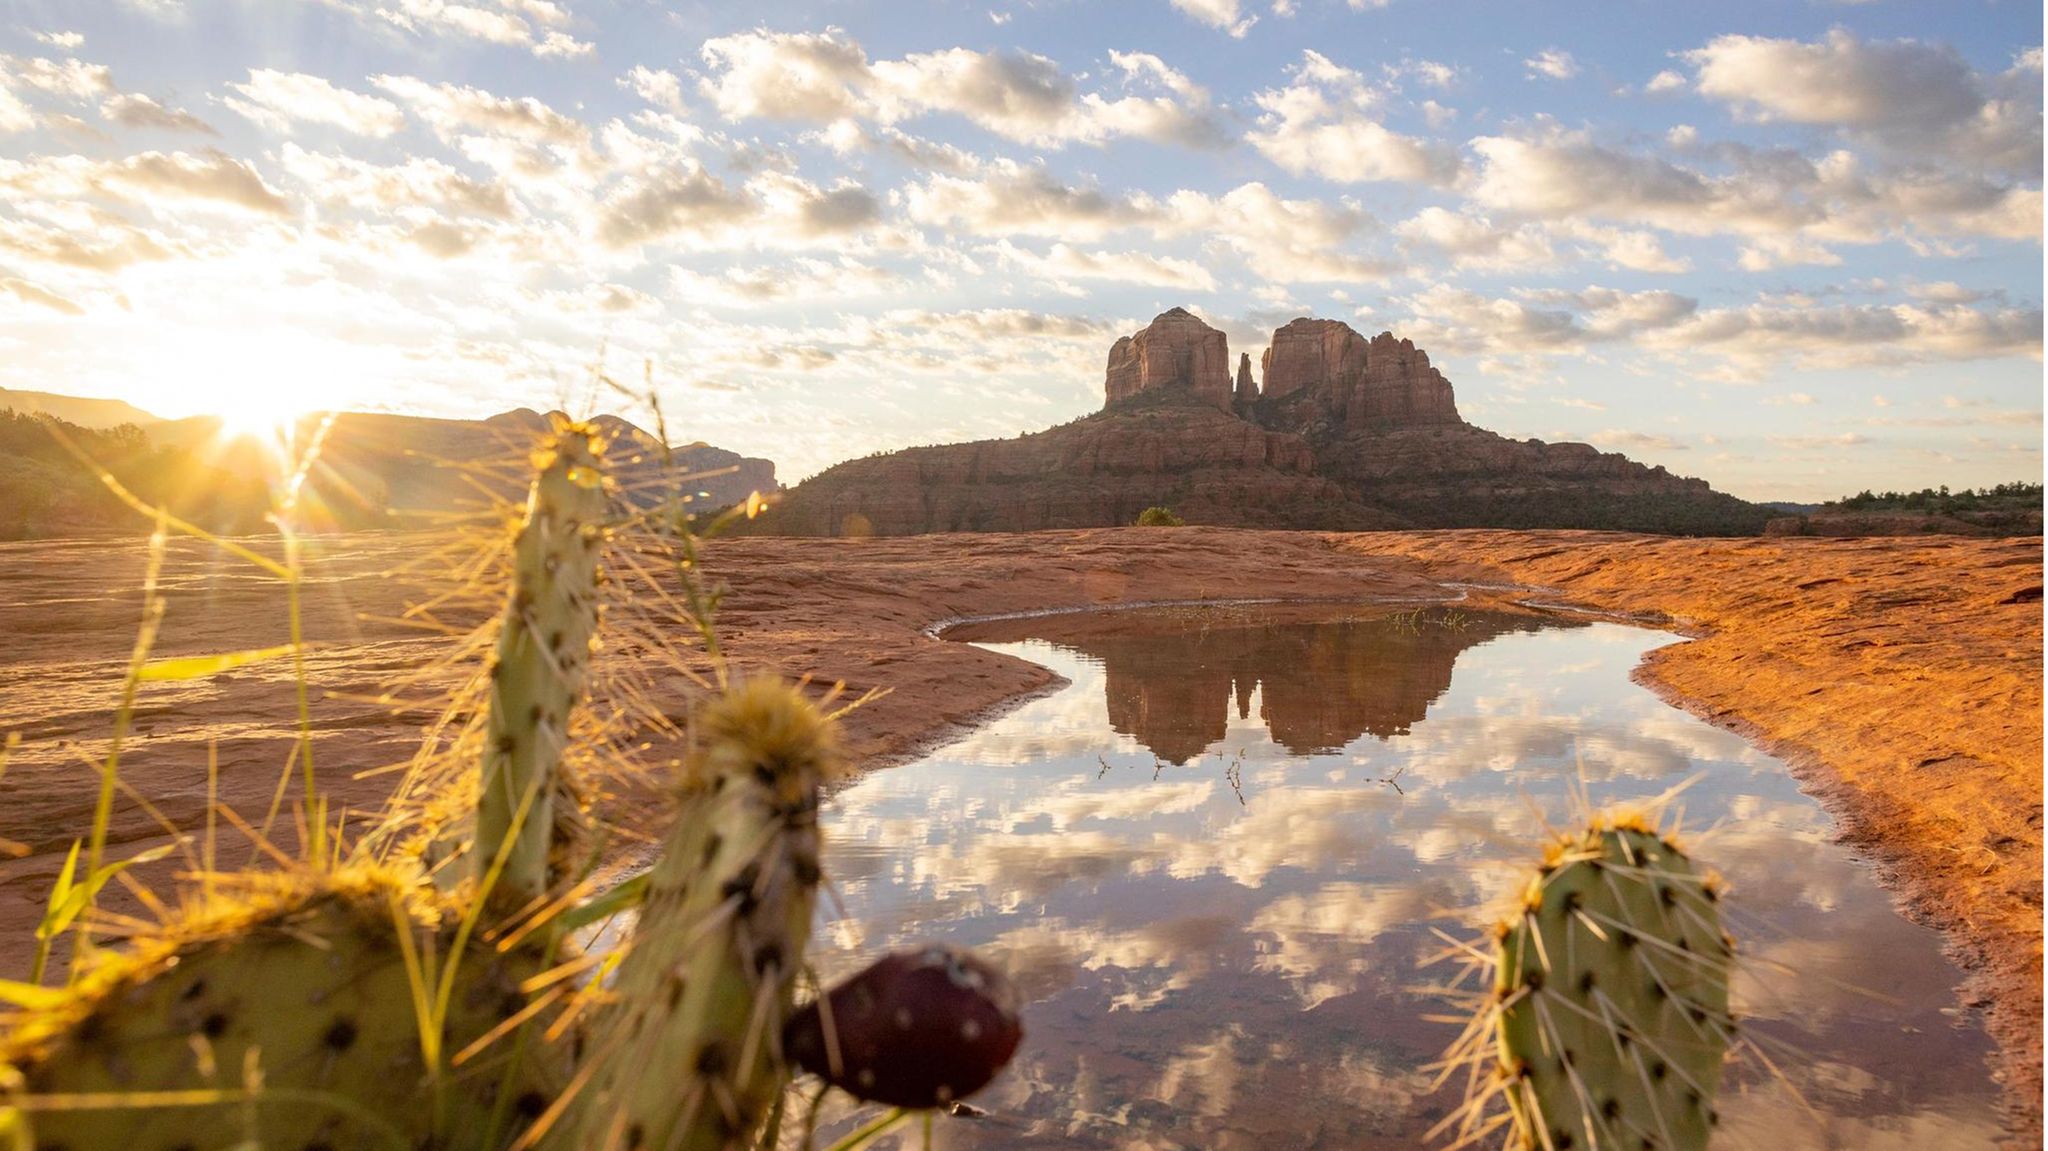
{"points": [[542, 656], [1610, 996], [688, 1056]]}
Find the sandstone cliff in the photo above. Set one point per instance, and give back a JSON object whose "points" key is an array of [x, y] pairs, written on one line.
{"points": [[1176, 350], [1205, 464], [1331, 369]]}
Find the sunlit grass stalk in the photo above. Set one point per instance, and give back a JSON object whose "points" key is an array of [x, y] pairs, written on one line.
{"points": [[103, 808]]}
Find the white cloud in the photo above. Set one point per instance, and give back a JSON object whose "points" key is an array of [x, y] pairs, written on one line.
{"points": [[452, 109], [1323, 124], [14, 115], [1009, 199], [211, 177], [277, 100], [1064, 262], [1555, 63], [69, 79], [827, 78], [1910, 96], [1766, 252], [68, 41], [658, 87], [1665, 81], [810, 76], [803, 278], [535, 25], [134, 110], [41, 297], [1219, 14]]}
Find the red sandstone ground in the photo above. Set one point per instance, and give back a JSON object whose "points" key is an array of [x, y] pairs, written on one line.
{"points": [[1900, 677]]}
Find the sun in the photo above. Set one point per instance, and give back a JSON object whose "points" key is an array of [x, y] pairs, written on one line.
{"points": [[260, 388]]}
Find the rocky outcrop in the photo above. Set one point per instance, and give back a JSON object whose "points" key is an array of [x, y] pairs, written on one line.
{"points": [[1342, 432], [1385, 383], [1456, 475], [1176, 350], [1317, 356], [1205, 464], [1399, 389]]}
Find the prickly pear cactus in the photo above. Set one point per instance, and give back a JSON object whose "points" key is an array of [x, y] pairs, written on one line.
{"points": [[283, 1016], [1612, 996], [537, 675], [688, 1056]]}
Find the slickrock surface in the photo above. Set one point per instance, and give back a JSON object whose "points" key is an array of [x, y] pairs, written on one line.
{"points": [[1900, 678]]}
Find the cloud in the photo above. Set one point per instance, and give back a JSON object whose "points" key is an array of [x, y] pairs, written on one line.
{"points": [[1011, 199], [659, 205], [134, 110], [41, 297], [656, 86], [1283, 241], [535, 25], [420, 181], [1636, 441], [210, 176], [277, 100], [1802, 443], [68, 41], [1065, 262], [1555, 63], [452, 109], [801, 279], [1912, 97], [811, 76], [827, 78], [69, 79], [1665, 81], [14, 115], [1222, 15], [1322, 124], [1765, 252]]}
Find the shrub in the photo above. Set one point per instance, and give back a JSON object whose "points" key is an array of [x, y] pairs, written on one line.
{"points": [[1158, 517]]}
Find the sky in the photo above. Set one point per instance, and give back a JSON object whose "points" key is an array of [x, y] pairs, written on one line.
{"points": [[1792, 247]]}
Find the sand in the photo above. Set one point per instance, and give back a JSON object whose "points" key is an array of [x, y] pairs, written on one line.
{"points": [[1901, 679]]}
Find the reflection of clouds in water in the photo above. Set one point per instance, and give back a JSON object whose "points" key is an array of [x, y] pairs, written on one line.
{"points": [[1292, 827], [1319, 939], [1261, 948]]}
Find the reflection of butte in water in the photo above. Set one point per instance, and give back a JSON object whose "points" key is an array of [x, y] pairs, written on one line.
{"points": [[1323, 684]]}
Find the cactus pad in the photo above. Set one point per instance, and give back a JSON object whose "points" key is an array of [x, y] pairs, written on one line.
{"points": [[1612, 996], [283, 1016], [542, 658], [688, 1057]]}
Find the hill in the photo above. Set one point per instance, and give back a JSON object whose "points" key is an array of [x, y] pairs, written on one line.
{"points": [[1342, 433], [375, 471], [83, 411]]}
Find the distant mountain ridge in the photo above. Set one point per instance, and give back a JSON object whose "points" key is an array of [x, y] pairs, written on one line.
{"points": [[85, 411], [1342, 433], [375, 470]]}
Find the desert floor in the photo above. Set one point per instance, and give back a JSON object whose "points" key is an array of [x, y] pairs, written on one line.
{"points": [[1900, 678]]}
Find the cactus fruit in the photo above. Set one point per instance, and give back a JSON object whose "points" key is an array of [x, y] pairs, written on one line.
{"points": [[688, 1055], [1610, 996], [917, 1029], [283, 1016], [537, 675]]}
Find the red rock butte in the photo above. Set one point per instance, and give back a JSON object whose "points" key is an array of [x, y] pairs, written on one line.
{"points": [[1384, 383]]}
